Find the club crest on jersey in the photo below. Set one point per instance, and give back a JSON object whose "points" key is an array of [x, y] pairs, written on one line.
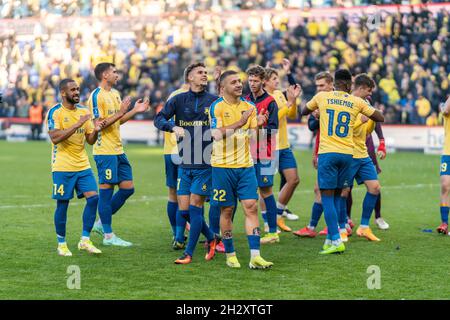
{"points": [[207, 111], [265, 180], [226, 115], [204, 188], [66, 119]]}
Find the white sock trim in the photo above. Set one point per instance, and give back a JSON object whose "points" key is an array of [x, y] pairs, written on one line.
{"points": [[280, 206], [254, 253]]}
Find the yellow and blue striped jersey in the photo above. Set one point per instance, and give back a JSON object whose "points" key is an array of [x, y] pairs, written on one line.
{"points": [[338, 111], [104, 104], [232, 151], [284, 112], [69, 155], [170, 139]]}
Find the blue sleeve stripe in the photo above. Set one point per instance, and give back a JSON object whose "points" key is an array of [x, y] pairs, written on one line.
{"points": [[95, 104], [50, 120], [211, 112]]}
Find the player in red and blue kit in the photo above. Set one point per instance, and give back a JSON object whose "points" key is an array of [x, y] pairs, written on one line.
{"points": [[263, 151]]}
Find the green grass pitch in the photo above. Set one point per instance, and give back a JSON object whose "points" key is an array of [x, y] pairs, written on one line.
{"points": [[413, 264]]}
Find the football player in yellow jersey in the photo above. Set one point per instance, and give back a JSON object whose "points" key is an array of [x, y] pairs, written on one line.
{"points": [[445, 170], [69, 126], [112, 164], [171, 161], [338, 110], [233, 174], [285, 160], [362, 168]]}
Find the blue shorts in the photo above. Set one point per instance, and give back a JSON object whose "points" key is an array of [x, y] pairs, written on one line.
{"points": [[194, 181], [264, 171], [65, 183], [362, 170], [229, 184], [171, 171], [333, 170], [445, 165], [285, 159], [113, 169]]}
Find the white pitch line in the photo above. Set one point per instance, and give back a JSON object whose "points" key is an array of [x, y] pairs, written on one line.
{"points": [[155, 198]]}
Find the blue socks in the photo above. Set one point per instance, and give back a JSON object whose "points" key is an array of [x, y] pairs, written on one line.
{"points": [[196, 216], [330, 217], [119, 199], [342, 211], [104, 209], [444, 212], [182, 217], [271, 207], [89, 214], [368, 205], [214, 218], [316, 213], [61, 219], [254, 242], [172, 208], [228, 244]]}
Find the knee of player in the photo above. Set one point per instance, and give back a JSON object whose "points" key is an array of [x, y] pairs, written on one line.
{"points": [[251, 208], [295, 181], [375, 188]]}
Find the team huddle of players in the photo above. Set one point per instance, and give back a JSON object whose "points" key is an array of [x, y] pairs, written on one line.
{"points": [[249, 142], [222, 149]]}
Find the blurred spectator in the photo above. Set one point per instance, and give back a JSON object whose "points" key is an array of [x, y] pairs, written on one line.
{"points": [[36, 116], [423, 108]]}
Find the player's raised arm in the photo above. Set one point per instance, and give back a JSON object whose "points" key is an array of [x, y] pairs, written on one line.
{"points": [[142, 105], [310, 106], [293, 92], [101, 123]]}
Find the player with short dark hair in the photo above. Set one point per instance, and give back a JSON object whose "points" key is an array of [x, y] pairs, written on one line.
{"points": [[191, 112], [338, 110], [362, 168], [69, 127], [233, 174], [110, 112], [263, 151]]}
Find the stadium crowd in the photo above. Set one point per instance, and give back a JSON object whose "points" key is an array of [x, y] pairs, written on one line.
{"points": [[407, 54], [102, 8]]}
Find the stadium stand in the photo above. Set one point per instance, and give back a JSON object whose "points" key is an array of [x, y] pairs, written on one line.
{"points": [[406, 53]]}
